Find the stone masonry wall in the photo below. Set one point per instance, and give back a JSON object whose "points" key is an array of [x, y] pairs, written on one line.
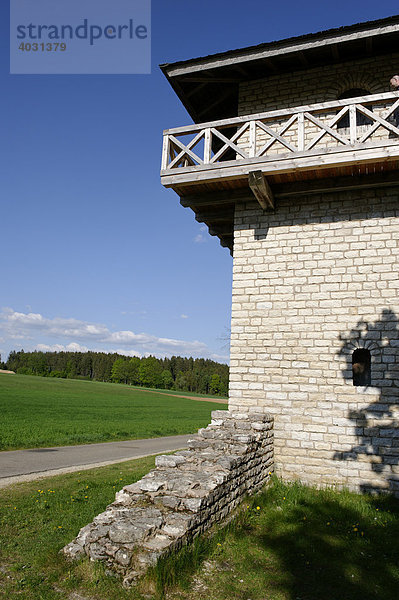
{"points": [[185, 495], [320, 84], [312, 282]]}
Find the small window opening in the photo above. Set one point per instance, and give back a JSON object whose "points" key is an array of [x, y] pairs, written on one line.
{"points": [[360, 118], [361, 367]]}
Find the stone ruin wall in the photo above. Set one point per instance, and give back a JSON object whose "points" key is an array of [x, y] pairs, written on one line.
{"points": [[312, 282], [182, 497]]}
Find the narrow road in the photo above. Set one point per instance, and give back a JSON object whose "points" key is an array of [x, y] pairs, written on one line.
{"points": [[27, 465]]}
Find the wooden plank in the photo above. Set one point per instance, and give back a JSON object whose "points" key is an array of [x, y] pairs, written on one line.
{"points": [[186, 149], [301, 131], [352, 124], [229, 143], [252, 139], [225, 229], [336, 184], [214, 217], [219, 197], [280, 132], [218, 100], [284, 47], [207, 146], [165, 152], [343, 156], [276, 136], [261, 189], [275, 114], [330, 124], [378, 119], [375, 126], [326, 128]]}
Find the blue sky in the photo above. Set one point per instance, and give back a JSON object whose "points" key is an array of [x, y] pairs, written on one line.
{"points": [[95, 253]]}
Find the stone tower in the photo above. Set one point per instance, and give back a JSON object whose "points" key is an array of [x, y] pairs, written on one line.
{"points": [[293, 163]]}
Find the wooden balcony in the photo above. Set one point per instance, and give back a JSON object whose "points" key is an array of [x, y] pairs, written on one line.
{"points": [[208, 163], [317, 136]]}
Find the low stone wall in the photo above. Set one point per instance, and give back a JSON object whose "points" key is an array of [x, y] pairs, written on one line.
{"points": [[183, 496]]}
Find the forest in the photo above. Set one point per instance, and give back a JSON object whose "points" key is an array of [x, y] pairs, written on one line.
{"points": [[198, 375]]}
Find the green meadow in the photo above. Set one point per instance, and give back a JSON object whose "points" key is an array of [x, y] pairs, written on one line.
{"points": [[288, 543], [38, 412]]}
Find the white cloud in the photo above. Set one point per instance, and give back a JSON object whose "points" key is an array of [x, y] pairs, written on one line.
{"points": [[75, 335], [182, 316], [125, 352], [73, 347], [199, 239]]}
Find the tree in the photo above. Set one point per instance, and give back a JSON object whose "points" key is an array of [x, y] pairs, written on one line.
{"points": [[133, 368], [167, 379], [150, 372], [119, 371], [214, 384]]}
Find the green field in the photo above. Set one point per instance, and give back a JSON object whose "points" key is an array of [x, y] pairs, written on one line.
{"points": [[38, 412], [288, 543]]}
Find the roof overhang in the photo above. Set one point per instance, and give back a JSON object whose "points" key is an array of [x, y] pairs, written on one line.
{"points": [[208, 86]]}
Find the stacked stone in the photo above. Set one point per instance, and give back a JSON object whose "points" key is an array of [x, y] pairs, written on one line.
{"points": [[314, 281], [182, 497]]}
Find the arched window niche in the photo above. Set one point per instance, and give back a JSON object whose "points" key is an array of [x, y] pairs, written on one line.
{"points": [[361, 119], [361, 367]]}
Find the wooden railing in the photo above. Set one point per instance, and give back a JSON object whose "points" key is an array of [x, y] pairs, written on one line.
{"points": [[355, 122]]}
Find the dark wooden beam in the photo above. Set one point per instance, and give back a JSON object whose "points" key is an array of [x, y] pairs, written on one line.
{"points": [[225, 229], [261, 189], [335, 52], [336, 184], [195, 90], [369, 46], [270, 64], [241, 70], [200, 79], [219, 100], [303, 60], [226, 243], [215, 198], [214, 217]]}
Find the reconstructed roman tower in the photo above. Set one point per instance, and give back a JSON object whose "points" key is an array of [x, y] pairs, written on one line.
{"points": [[293, 164]]}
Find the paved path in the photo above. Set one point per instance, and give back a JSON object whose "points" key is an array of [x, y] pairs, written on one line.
{"points": [[27, 465]]}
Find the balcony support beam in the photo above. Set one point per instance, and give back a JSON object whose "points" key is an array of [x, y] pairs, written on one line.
{"points": [[261, 189]]}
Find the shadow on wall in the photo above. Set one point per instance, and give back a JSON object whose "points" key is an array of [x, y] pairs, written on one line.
{"points": [[376, 425]]}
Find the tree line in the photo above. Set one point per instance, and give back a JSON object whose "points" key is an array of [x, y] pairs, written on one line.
{"points": [[199, 375]]}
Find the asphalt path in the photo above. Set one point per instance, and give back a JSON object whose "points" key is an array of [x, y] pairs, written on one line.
{"points": [[28, 465]]}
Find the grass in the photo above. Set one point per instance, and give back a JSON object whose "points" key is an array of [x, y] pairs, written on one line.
{"points": [[38, 412], [38, 518], [288, 543], [182, 393], [294, 543]]}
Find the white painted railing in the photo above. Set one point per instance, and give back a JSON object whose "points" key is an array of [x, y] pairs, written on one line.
{"points": [[355, 122]]}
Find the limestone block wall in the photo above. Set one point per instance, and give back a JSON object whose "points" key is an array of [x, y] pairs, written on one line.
{"points": [[313, 281], [319, 84], [183, 496]]}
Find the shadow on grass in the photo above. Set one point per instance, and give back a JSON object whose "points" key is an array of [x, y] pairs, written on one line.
{"points": [[324, 547], [296, 543]]}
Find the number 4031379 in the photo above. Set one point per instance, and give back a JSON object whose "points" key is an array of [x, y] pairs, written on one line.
{"points": [[42, 47]]}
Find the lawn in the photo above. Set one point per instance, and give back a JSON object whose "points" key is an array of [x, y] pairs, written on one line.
{"points": [[295, 543], [38, 518], [38, 412], [288, 543]]}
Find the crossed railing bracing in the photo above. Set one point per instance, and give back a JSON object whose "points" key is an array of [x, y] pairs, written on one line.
{"points": [[353, 122]]}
